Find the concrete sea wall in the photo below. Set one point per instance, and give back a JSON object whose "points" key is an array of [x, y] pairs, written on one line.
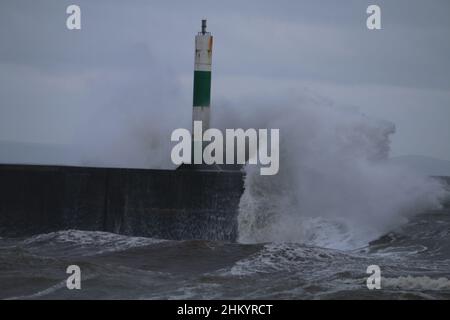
{"points": [[181, 204]]}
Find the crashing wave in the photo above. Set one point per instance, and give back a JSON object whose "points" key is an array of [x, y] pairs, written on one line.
{"points": [[335, 187]]}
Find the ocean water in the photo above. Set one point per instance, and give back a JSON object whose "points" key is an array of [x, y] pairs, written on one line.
{"points": [[336, 207], [414, 261]]}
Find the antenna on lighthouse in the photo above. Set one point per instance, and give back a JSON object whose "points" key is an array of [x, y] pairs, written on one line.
{"points": [[204, 26]]}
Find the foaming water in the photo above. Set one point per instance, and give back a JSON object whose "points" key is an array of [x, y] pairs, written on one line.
{"points": [[335, 188], [76, 242], [413, 259], [309, 232], [417, 283]]}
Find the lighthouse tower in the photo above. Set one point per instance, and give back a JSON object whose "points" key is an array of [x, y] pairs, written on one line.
{"points": [[202, 89], [202, 76]]}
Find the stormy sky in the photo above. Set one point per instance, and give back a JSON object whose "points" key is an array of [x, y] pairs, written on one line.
{"points": [[125, 78]]}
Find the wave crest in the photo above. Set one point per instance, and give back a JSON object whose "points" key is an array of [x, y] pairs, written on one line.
{"points": [[335, 188]]}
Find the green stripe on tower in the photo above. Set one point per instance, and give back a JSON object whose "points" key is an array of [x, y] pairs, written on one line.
{"points": [[202, 88]]}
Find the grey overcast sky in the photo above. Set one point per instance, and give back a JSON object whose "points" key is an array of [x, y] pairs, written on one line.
{"points": [[132, 62]]}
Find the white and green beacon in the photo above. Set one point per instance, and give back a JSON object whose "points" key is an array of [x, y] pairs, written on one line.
{"points": [[203, 147], [202, 77], [202, 87]]}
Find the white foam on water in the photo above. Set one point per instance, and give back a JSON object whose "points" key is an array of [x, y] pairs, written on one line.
{"points": [[335, 187], [289, 257], [107, 242], [416, 283]]}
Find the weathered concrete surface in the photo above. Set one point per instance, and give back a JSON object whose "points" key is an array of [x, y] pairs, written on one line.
{"points": [[166, 204]]}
